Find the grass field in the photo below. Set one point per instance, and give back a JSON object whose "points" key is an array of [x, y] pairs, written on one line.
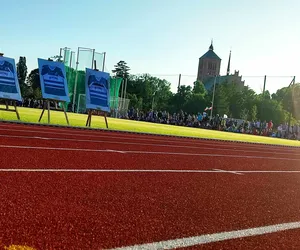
{"points": [[32, 115]]}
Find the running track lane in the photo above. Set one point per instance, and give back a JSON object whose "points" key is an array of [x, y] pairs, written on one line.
{"points": [[78, 134], [64, 156], [127, 209], [92, 211]]}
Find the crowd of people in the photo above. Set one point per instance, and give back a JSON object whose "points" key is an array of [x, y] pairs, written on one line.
{"points": [[200, 120], [33, 103], [221, 123]]}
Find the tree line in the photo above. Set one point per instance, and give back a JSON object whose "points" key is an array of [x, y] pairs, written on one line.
{"points": [[146, 92]]}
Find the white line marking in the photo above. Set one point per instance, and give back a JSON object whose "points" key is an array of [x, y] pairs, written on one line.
{"points": [[149, 144], [109, 170], [149, 152], [178, 141], [227, 171], [139, 170], [34, 137], [115, 151], [216, 237], [266, 171]]}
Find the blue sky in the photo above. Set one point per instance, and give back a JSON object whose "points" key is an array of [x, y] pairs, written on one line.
{"points": [[162, 37]]}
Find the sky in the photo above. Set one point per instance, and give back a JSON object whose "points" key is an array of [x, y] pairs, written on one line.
{"points": [[164, 38]]}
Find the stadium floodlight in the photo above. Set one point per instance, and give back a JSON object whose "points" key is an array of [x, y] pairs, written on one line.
{"points": [[213, 97]]}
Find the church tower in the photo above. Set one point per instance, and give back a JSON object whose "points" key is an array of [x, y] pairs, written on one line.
{"points": [[209, 64]]}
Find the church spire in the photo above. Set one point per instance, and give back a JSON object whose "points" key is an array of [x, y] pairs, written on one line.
{"points": [[211, 47], [228, 66]]}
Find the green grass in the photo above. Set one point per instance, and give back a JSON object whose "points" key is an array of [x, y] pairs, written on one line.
{"points": [[32, 115]]}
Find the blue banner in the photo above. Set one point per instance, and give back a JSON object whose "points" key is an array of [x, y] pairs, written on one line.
{"points": [[97, 90], [53, 80], [9, 84]]}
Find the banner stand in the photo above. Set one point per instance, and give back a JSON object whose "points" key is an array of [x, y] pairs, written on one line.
{"points": [[10, 110], [90, 111], [47, 106]]}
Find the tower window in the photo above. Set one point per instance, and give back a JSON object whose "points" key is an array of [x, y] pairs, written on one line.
{"points": [[201, 64]]}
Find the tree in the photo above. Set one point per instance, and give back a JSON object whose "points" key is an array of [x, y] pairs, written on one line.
{"points": [[244, 114], [196, 104], [56, 58], [272, 110], [221, 102], [22, 73], [253, 113], [199, 88], [289, 98], [180, 99], [151, 90], [135, 102], [37, 93], [121, 69]]}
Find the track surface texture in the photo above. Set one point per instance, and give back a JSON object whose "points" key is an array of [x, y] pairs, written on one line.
{"points": [[78, 189]]}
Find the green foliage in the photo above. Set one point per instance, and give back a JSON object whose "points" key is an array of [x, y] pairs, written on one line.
{"points": [[121, 70], [221, 101], [22, 74], [196, 104], [253, 113], [289, 97], [272, 110], [199, 88], [28, 92], [147, 90], [246, 104], [181, 98], [33, 79], [37, 93], [135, 101]]}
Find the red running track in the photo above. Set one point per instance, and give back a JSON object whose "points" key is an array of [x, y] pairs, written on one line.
{"points": [[103, 210]]}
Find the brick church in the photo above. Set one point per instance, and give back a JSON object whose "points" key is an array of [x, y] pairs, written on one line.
{"points": [[209, 67]]}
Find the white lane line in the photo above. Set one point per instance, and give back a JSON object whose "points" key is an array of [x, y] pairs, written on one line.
{"points": [[140, 170], [148, 152], [108, 170], [228, 171], [216, 237], [266, 171], [115, 151], [219, 144], [150, 144]]}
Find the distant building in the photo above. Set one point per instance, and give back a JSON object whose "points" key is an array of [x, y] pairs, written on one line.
{"points": [[232, 79], [209, 67]]}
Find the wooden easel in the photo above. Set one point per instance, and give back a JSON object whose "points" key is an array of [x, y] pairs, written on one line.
{"points": [[90, 111], [47, 106], [11, 110], [89, 119]]}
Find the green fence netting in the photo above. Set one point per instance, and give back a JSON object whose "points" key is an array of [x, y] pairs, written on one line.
{"points": [[75, 73], [115, 84]]}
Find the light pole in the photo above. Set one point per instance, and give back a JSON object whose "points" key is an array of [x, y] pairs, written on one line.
{"points": [[213, 98], [153, 99]]}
